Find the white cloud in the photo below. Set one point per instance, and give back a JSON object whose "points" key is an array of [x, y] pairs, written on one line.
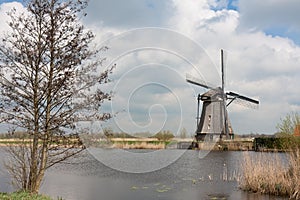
{"points": [[258, 65]]}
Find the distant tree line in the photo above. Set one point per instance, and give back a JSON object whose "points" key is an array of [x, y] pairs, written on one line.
{"points": [[164, 135], [14, 135], [107, 133]]}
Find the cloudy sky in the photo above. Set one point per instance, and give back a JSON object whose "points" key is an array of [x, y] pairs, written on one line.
{"points": [[154, 44]]}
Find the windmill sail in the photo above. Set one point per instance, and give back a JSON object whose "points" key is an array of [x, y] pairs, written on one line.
{"points": [[242, 100], [224, 111], [199, 82]]}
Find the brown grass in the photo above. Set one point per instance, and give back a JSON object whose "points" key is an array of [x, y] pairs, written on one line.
{"points": [[270, 174], [139, 145]]}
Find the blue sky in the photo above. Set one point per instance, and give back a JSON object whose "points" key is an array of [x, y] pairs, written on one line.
{"points": [[262, 44]]}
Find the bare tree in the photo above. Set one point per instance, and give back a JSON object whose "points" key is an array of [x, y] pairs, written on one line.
{"points": [[164, 135], [50, 81]]}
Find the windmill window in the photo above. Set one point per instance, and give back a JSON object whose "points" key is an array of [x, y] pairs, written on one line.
{"points": [[209, 117], [208, 127]]}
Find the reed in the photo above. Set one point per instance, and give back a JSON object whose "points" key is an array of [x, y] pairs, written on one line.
{"points": [[139, 145], [270, 174], [294, 174]]}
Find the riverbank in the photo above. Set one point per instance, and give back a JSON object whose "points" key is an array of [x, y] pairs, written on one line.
{"points": [[23, 196], [175, 143], [154, 143], [240, 144], [27, 142]]}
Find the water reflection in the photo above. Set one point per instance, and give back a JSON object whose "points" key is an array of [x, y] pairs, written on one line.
{"points": [[188, 178]]}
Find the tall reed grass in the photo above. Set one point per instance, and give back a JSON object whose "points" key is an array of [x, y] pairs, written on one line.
{"points": [[139, 145], [268, 173]]}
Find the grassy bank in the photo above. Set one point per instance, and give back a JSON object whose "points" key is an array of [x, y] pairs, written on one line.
{"points": [[270, 174], [140, 145], [22, 196]]}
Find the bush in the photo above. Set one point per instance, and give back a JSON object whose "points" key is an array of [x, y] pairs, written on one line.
{"points": [[283, 142]]}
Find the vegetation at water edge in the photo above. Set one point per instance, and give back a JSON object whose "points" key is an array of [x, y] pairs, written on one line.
{"points": [[23, 196], [267, 173]]}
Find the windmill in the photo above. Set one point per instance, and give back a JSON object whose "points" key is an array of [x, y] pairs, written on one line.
{"points": [[214, 119]]}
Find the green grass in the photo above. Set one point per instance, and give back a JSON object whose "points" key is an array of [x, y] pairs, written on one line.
{"points": [[23, 196]]}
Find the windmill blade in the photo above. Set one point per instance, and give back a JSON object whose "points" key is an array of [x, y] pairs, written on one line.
{"points": [[242, 97], [222, 71], [242, 100], [224, 95], [223, 67], [199, 82]]}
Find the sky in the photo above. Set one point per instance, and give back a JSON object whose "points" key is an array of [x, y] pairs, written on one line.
{"points": [[154, 44]]}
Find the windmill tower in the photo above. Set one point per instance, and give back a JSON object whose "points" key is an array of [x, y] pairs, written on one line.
{"points": [[214, 121]]}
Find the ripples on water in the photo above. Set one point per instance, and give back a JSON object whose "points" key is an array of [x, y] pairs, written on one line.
{"points": [[188, 178]]}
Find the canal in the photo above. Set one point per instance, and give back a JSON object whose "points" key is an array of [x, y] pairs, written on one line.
{"points": [[187, 175]]}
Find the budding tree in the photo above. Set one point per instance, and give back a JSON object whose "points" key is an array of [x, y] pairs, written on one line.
{"points": [[50, 81], [288, 124]]}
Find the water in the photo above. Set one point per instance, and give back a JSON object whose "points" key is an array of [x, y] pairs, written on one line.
{"points": [[188, 178]]}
